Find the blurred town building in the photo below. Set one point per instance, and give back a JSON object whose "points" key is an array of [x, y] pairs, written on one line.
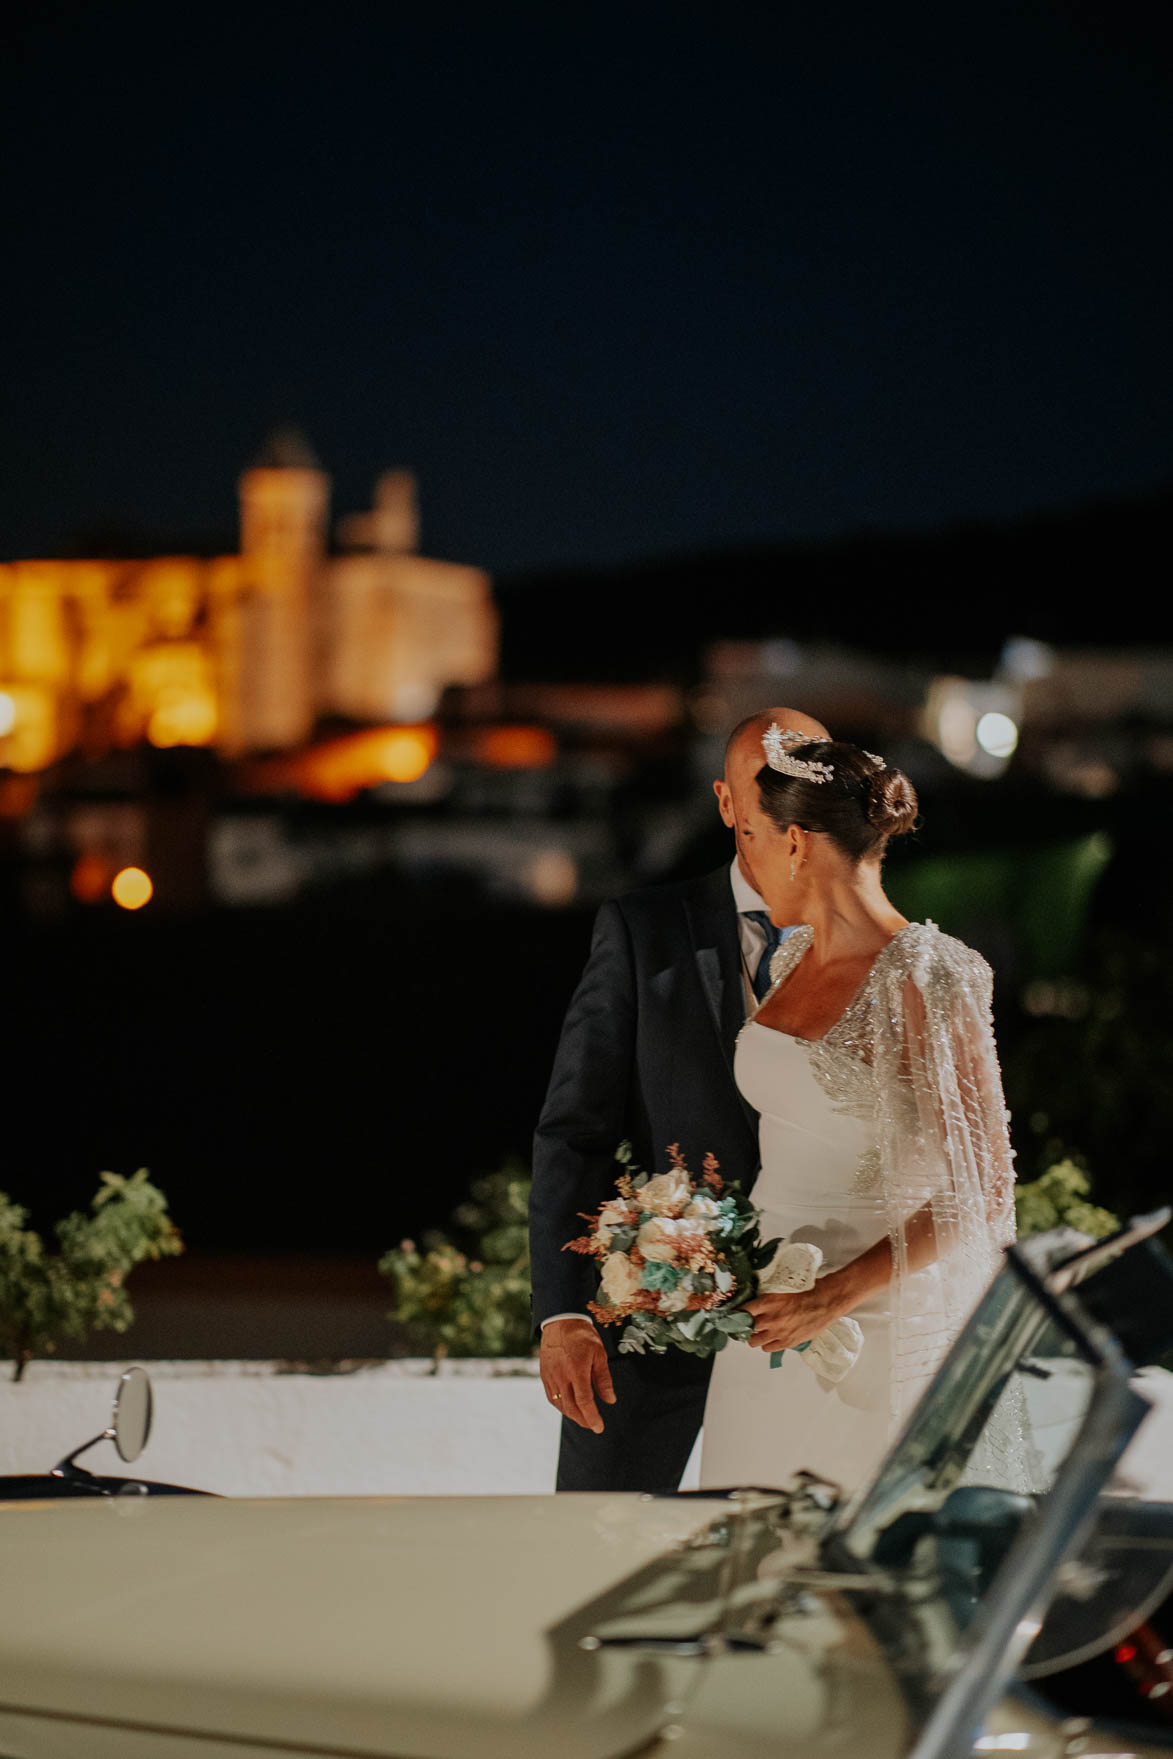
{"points": [[322, 714], [1088, 721], [242, 653]]}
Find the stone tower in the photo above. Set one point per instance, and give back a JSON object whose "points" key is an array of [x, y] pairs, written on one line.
{"points": [[284, 512]]}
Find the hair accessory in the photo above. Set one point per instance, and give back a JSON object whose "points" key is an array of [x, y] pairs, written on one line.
{"points": [[790, 736], [876, 762], [779, 758]]}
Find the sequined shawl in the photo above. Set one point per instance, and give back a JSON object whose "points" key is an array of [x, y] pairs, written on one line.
{"points": [[914, 1056]]}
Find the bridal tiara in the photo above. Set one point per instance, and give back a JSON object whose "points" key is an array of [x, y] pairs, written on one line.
{"points": [[776, 743]]}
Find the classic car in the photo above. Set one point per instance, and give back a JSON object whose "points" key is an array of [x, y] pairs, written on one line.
{"points": [[927, 1616]]}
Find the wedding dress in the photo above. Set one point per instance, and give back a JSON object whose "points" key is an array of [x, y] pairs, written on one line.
{"points": [[896, 1113]]}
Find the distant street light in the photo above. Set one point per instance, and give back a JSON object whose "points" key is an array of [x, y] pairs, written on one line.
{"points": [[132, 888], [974, 723], [996, 734]]}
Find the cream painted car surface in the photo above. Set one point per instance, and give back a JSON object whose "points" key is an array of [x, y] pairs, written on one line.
{"points": [[926, 1617], [424, 1628]]}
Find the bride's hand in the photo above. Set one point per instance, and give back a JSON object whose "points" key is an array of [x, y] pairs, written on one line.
{"points": [[784, 1321]]}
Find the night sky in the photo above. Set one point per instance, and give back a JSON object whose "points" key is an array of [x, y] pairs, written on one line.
{"points": [[617, 280]]}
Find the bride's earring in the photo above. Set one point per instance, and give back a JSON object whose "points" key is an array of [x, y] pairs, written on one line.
{"points": [[793, 872]]}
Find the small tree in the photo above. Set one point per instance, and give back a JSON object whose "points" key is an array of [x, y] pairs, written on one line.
{"points": [[474, 1302], [47, 1295]]}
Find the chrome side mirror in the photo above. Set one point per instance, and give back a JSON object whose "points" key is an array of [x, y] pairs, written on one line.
{"points": [[129, 1427], [134, 1409]]}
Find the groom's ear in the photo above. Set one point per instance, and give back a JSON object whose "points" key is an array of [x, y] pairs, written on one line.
{"points": [[724, 795]]}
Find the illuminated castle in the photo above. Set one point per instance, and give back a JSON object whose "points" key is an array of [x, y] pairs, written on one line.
{"points": [[246, 652]]}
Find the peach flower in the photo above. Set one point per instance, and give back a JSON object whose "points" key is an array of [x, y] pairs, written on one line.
{"points": [[619, 1279]]}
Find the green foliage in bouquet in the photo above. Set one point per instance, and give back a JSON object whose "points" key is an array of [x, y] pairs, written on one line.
{"points": [[1059, 1198], [476, 1301], [46, 1295]]}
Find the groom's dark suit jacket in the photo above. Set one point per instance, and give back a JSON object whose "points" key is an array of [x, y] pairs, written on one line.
{"points": [[646, 1055]]}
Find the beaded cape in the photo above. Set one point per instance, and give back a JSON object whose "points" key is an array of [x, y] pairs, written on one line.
{"points": [[914, 1056]]}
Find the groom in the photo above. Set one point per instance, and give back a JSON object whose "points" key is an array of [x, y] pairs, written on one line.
{"points": [[646, 1055]]}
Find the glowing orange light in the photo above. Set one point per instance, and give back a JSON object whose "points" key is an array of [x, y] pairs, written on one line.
{"points": [[90, 879], [406, 752], [1126, 1652], [132, 888], [183, 718], [29, 726], [338, 769], [517, 748]]}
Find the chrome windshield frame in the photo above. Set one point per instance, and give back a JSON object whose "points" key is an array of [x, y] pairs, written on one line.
{"points": [[989, 1649]]}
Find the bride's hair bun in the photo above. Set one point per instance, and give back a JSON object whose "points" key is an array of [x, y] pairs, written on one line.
{"points": [[850, 794], [892, 803]]}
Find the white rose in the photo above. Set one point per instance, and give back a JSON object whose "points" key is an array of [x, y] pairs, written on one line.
{"points": [[616, 1213], [675, 1301], [667, 1193], [620, 1279], [703, 1207], [660, 1238]]}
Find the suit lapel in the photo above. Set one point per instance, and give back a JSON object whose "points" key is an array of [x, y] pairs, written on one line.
{"points": [[712, 924]]}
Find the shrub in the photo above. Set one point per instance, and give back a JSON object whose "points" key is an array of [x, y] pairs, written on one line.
{"points": [[472, 1300], [45, 1295], [1060, 1199]]}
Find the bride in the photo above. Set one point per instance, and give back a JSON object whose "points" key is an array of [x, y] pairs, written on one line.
{"points": [[883, 1133]]}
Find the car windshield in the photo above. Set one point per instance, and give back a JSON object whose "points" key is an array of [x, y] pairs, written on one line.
{"points": [[948, 1559], [961, 1547], [1006, 1408]]}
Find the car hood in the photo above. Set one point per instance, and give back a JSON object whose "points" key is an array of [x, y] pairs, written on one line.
{"points": [[425, 1627]]}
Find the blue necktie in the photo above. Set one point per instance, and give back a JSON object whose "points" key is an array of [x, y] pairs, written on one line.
{"points": [[774, 939]]}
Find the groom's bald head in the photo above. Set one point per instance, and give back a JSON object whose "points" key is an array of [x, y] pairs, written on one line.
{"points": [[737, 796], [743, 748]]}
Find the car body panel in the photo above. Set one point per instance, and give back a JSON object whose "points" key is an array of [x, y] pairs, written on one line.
{"points": [[363, 1626], [779, 1624], [410, 1626]]}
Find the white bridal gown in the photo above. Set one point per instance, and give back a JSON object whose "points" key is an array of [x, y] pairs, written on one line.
{"points": [[897, 1112], [763, 1423]]}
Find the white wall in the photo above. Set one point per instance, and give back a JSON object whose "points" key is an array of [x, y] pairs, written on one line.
{"points": [[394, 1428], [247, 1429]]}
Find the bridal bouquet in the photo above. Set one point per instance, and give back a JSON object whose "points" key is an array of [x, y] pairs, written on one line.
{"points": [[679, 1257]]}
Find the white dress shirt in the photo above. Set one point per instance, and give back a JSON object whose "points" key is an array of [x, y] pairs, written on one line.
{"points": [[752, 937], [751, 934]]}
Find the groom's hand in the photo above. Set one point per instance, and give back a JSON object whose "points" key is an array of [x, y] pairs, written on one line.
{"points": [[575, 1370]]}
